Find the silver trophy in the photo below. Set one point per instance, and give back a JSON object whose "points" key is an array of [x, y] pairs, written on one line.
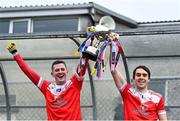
{"points": [[91, 49]]}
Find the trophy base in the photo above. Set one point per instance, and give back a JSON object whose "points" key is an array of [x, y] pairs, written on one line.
{"points": [[91, 53]]}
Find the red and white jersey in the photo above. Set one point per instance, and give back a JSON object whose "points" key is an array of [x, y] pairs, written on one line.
{"points": [[138, 106], [62, 102]]}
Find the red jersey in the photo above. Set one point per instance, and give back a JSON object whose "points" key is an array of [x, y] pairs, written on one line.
{"points": [[62, 101], [138, 106]]}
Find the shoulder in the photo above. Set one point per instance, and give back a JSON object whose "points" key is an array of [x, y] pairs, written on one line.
{"points": [[155, 96], [76, 78], [44, 83], [155, 93], [126, 87]]}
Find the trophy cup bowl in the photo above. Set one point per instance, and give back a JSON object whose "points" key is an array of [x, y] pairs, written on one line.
{"points": [[91, 52], [105, 25]]}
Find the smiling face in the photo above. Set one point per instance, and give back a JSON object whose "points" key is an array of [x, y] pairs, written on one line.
{"points": [[60, 73], [141, 78]]}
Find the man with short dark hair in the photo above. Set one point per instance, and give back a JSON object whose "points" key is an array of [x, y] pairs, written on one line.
{"points": [[139, 102], [62, 96]]}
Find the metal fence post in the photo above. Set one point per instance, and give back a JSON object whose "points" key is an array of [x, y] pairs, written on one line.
{"points": [[8, 107]]}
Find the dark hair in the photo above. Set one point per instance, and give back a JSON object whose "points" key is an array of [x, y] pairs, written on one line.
{"points": [[144, 68], [57, 62]]}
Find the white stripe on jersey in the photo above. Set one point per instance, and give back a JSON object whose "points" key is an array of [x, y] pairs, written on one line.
{"points": [[161, 112], [79, 77], [40, 82], [122, 87], [57, 89], [147, 96]]}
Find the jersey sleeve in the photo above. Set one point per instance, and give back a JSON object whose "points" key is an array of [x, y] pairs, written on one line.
{"points": [[31, 74], [161, 107], [77, 81], [44, 86], [124, 90]]}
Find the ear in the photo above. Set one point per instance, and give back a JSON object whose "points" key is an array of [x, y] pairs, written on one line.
{"points": [[133, 81], [52, 74], [67, 72], [148, 80]]}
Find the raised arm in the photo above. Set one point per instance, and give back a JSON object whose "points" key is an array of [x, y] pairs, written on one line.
{"points": [[118, 77], [32, 75], [82, 66]]}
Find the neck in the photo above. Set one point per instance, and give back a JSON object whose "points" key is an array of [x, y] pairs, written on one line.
{"points": [[142, 90], [60, 82]]}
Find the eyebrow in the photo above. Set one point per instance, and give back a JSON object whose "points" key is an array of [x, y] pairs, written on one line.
{"points": [[141, 73], [63, 68]]}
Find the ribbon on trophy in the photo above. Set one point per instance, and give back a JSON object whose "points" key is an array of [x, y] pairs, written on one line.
{"points": [[116, 50], [87, 42], [100, 62]]}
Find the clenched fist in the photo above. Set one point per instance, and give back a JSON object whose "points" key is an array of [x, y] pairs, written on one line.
{"points": [[12, 48]]}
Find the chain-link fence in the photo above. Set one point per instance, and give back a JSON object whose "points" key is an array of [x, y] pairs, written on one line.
{"points": [[28, 103]]}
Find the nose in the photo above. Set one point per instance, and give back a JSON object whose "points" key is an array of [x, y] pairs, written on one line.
{"points": [[59, 70], [62, 70], [141, 76]]}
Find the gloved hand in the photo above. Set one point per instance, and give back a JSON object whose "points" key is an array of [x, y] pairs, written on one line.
{"points": [[12, 48]]}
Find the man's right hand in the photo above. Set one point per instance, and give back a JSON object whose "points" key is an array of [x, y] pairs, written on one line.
{"points": [[12, 48]]}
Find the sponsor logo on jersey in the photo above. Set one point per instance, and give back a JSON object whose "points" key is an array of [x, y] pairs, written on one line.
{"points": [[141, 112], [56, 92], [59, 101]]}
